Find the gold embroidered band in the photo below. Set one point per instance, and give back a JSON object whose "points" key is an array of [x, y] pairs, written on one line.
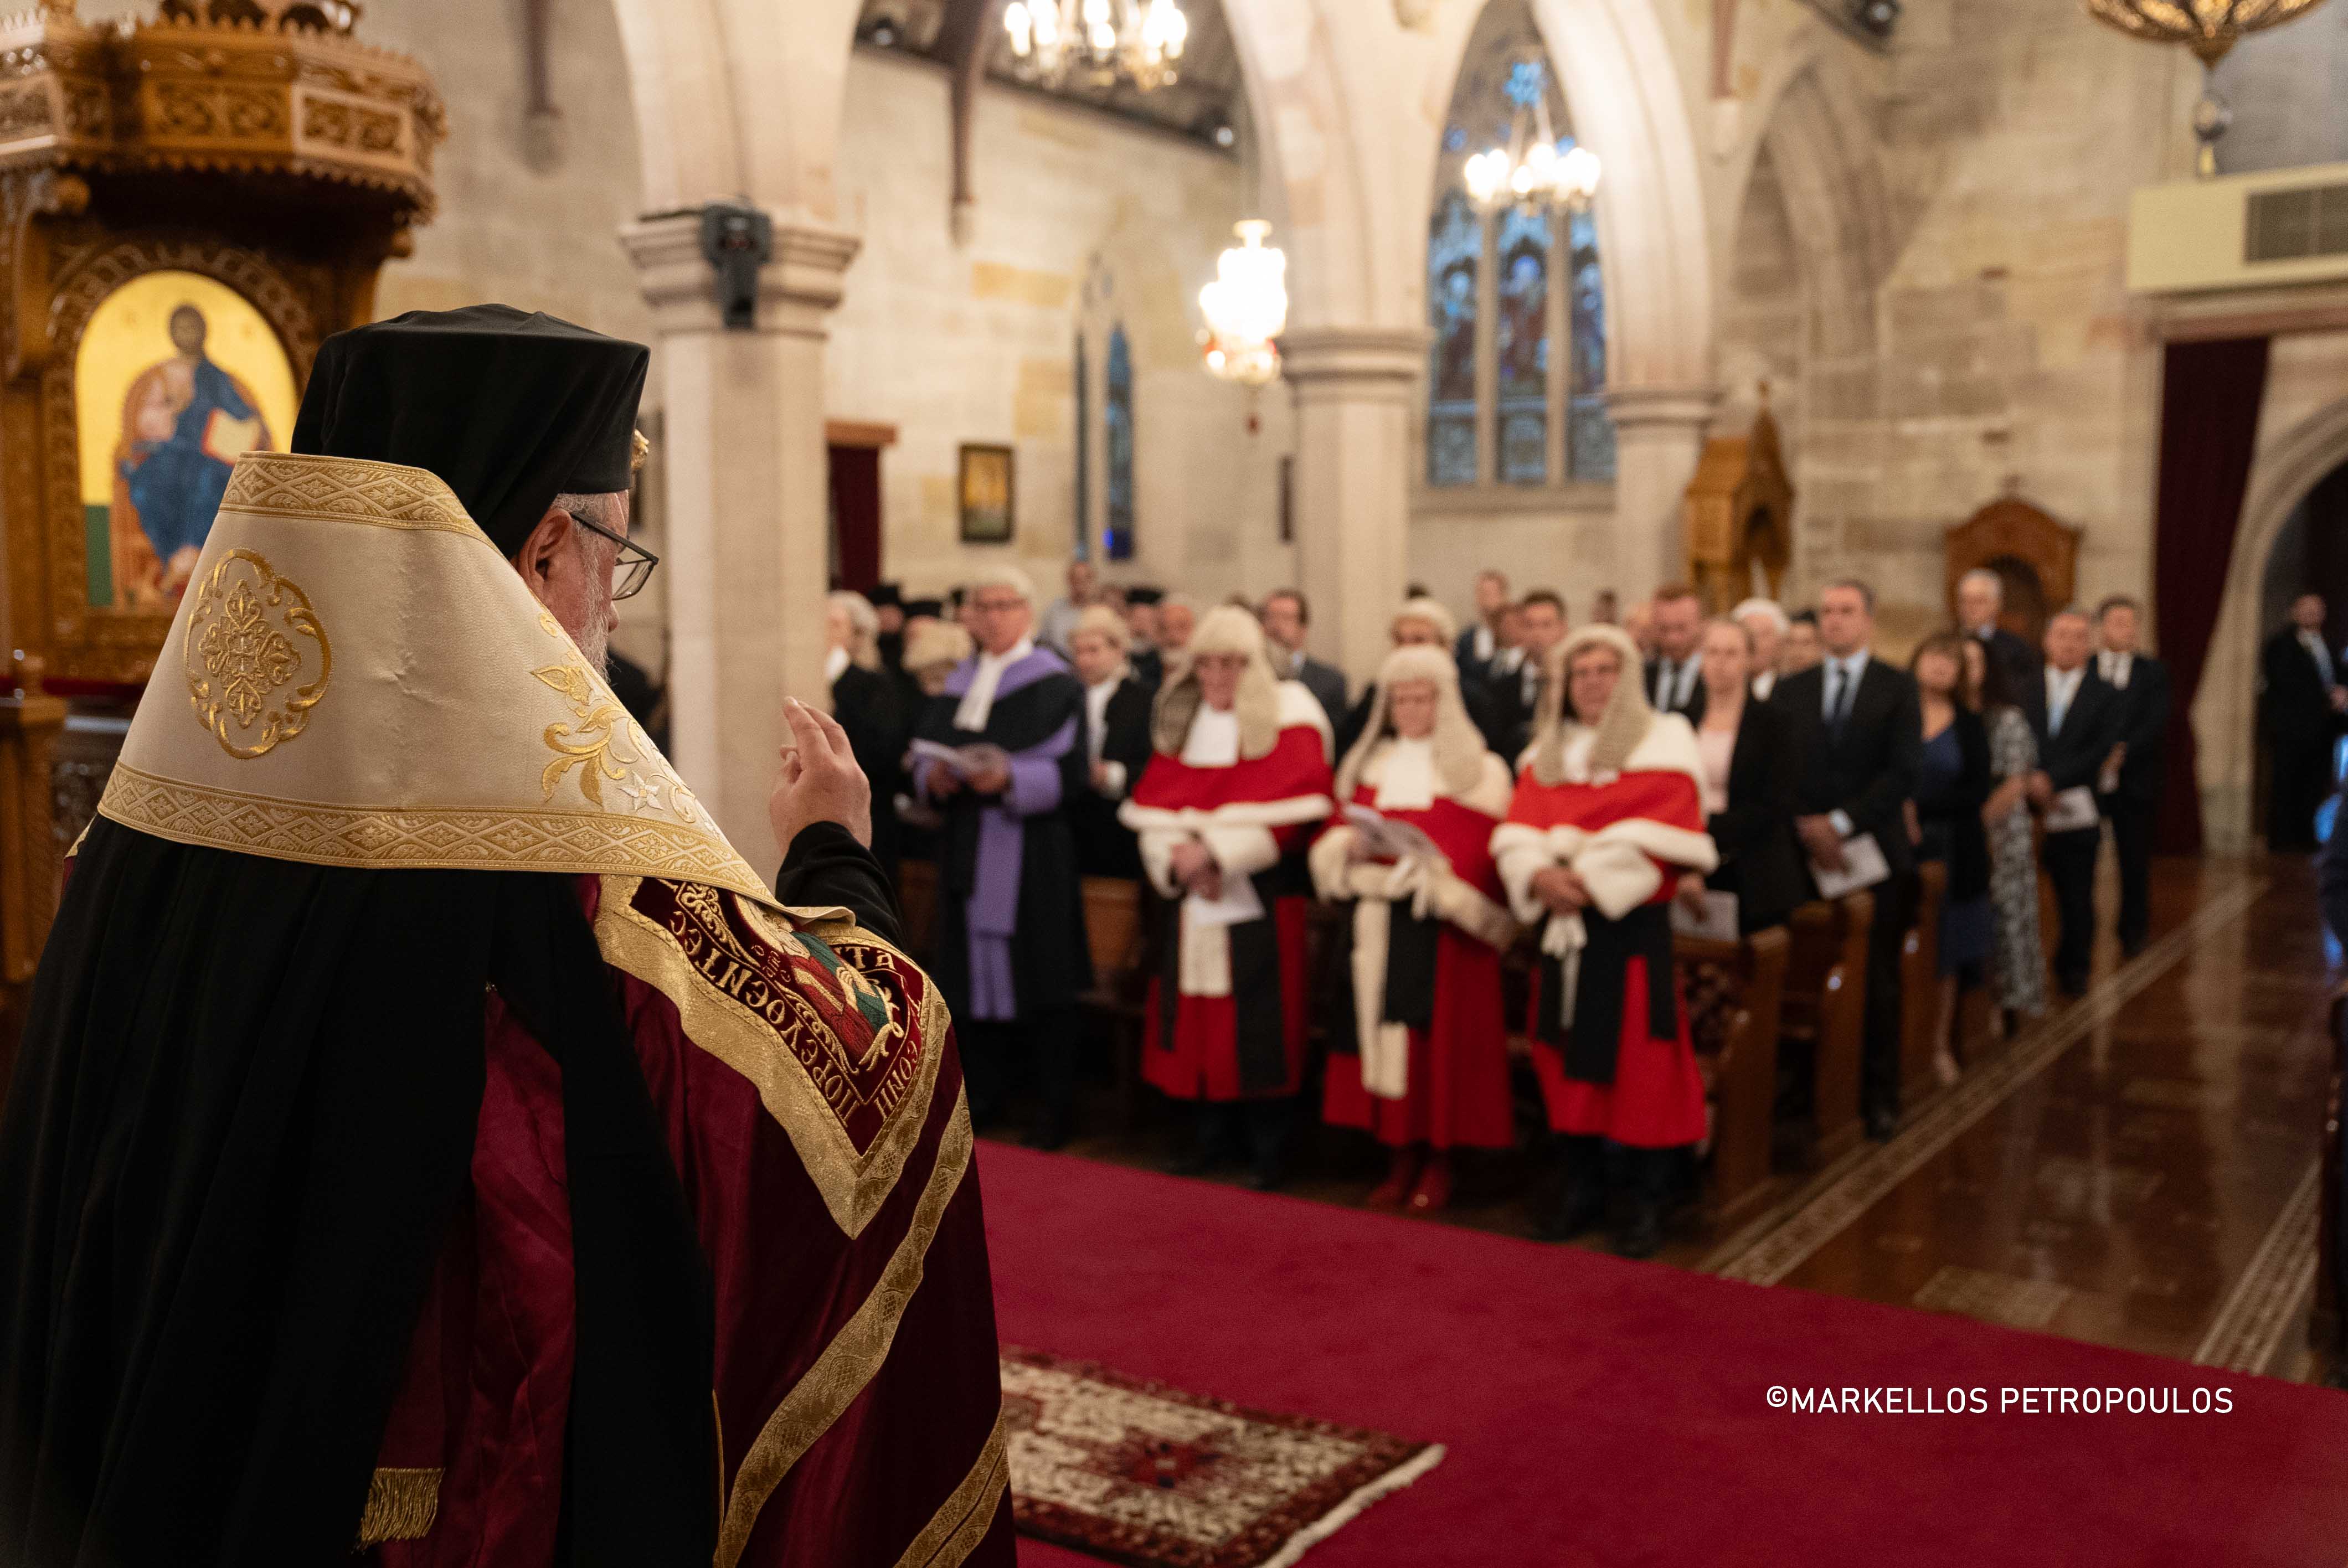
{"points": [[400, 1506]]}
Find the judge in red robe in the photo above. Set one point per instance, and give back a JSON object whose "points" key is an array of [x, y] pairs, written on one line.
{"points": [[1426, 1068], [1238, 780], [1608, 814]]}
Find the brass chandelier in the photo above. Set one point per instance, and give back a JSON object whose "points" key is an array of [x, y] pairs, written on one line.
{"points": [[2209, 28]]}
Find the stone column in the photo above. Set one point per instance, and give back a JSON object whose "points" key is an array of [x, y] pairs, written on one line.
{"points": [[748, 517], [1658, 436], [1355, 387]]}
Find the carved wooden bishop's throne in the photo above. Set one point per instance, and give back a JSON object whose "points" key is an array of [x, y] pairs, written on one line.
{"points": [[188, 204]]}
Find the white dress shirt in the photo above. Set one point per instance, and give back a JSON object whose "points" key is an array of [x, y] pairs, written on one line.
{"points": [[2114, 668], [978, 703], [1096, 698], [2314, 642], [1483, 644], [834, 664], [1841, 690], [1674, 682], [1764, 683], [2062, 691]]}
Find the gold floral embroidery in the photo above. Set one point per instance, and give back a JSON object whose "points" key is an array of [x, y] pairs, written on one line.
{"points": [[606, 745], [240, 651]]}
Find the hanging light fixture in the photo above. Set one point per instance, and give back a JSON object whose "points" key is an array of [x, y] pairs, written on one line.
{"points": [[1246, 308], [1099, 42], [1535, 169], [2209, 28]]}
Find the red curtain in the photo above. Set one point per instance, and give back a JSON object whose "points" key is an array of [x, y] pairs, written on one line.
{"points": [[2209, 399]]}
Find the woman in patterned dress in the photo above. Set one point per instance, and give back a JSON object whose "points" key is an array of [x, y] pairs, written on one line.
{"points": [[2020, 957]]}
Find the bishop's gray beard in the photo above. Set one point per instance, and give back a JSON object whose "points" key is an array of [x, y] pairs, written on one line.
{"points": [[596, 647]]}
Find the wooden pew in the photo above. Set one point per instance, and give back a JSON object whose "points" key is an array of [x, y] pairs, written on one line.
{"points": [[1117, 932], [1741, 1049], [917, 904], [1826, 1009], [1920, 986]]}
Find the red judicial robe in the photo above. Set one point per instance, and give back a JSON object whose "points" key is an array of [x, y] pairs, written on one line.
{"points": [[801, 1077], [1434, 979], [1256, 815], [1629, 835]]}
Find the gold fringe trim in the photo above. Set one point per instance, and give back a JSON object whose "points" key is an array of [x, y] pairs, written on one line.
{"points": [[400, 1506]]}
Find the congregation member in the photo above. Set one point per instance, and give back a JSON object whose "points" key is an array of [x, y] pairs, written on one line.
{"points": [[2078, 724], [1285, 616], [1237, 779], [1608, 814], [1638, 622], [1857, 731], [1516, 700], [1750, 773], [1117, 745], [1009, 948], [1178, 621], [1802, 649], [1476, 648], [864, 700], [340, 1209], [1953, 785], [1419, 623], [2300, 708], [1426, 1069], [1674, 675], [2129, 792], [2019, 964], [888, 601], [1605, 610], [1764, 622], [1981, 595], [1141, 602], [1060, 620]]}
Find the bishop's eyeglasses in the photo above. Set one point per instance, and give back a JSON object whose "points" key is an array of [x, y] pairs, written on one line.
{"points": [[634, 568]]}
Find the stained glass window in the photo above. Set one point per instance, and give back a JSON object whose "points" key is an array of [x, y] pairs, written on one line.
{"points": [[1516, 368], [1454, 252], [1116, 537], [1521, 346], [1083, 453], [1590, 435]]}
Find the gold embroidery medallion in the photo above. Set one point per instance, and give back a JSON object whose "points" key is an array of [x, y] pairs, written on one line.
{"points": [[251, 635]]}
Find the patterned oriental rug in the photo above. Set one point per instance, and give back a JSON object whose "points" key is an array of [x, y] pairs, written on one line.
{"points": [[1140, 1473]]}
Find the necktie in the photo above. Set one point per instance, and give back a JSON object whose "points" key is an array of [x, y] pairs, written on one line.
{"points": [[1663, 685], [1839, 697], [2058, 703]]}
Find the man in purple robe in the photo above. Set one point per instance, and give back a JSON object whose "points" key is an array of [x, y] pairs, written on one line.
{"points": [[998, 753]]}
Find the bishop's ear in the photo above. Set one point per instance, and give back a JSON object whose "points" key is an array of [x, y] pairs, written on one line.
{"points": [[536, 559]]}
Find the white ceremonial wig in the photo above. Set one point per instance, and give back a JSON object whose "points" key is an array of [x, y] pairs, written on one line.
{"points": [[1009, 576], [863, 628], [1102, 622], [1458, 746], [1619, 729], [1431, 611], [1226, 629], [1769, 610]]}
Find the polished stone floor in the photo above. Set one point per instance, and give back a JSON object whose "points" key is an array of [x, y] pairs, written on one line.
{"points": [[2137, 1169]]}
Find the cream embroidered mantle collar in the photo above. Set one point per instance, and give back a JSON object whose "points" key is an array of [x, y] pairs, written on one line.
{"points": [[356, 677]]}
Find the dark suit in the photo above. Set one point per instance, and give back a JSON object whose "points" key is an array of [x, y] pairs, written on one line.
{"points": [[1690, 707], [1325, 682], [2296, 714], [2134, 808], [1106, 847], [1760, 861], [1510, 699], [1866, 768], [2024, 672], [2073, 757], [1464, 651], [865, 701], [1148, 666]]}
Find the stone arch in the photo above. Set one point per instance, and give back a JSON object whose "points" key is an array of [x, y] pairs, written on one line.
{"points": [[2225, 709], [1841, 216]]}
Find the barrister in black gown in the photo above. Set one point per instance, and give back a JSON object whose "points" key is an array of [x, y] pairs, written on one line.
{"points": [[1009, 948], [1117, 737], [864, 699]]}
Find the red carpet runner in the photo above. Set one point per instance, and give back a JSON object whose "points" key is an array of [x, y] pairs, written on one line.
{"points": [[1603, 1412]]}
